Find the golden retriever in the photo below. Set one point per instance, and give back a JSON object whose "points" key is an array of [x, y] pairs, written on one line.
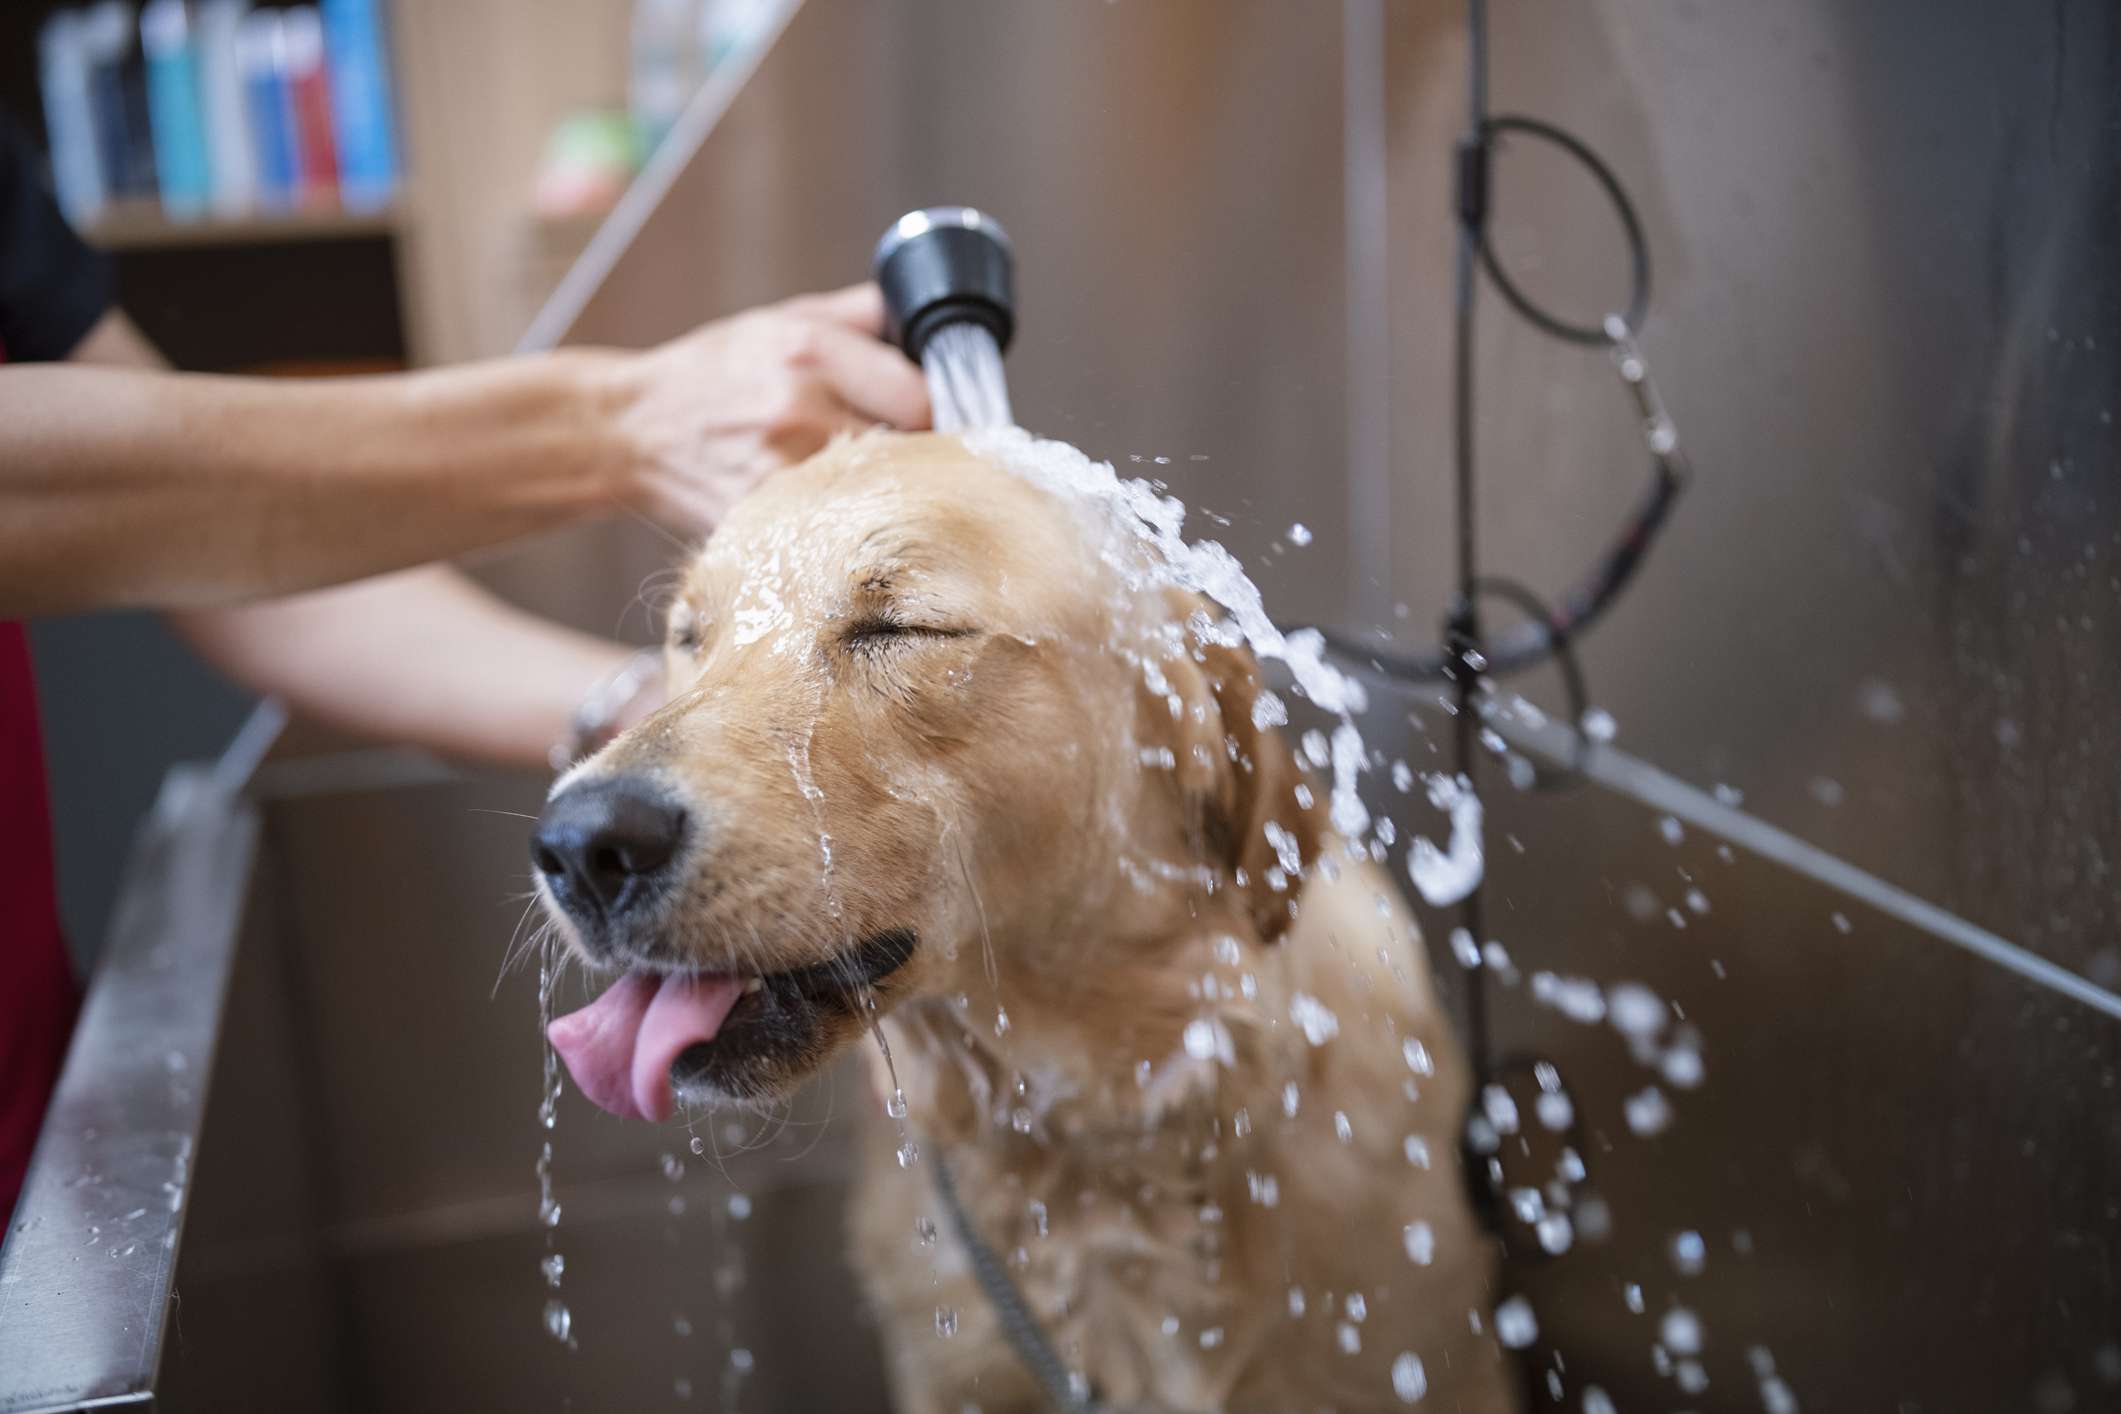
{"points": [[944, 758]]}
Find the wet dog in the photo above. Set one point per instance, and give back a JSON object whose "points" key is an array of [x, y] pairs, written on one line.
{"points": [[946, 760]]}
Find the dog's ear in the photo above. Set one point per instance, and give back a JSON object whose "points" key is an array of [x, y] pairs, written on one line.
{"points": [[1252, 811]]}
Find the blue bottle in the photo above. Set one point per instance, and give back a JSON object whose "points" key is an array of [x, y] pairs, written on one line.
{"points": [[173, 113], [360, 102], [265, 98]]}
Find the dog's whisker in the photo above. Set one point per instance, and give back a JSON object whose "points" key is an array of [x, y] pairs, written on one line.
{"points": [[520, 944]]}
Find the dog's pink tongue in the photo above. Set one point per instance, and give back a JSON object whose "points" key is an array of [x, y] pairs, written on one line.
{"points": [[621, 1046]]}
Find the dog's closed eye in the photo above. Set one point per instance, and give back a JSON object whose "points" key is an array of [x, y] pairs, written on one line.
{"points": [[880, 633]]}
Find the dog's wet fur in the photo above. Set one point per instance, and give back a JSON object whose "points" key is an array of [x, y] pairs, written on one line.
{"points": [[925, 773]]}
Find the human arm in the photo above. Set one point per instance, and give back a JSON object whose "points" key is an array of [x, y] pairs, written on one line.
{"points": [[130, 486], [423, 656]]}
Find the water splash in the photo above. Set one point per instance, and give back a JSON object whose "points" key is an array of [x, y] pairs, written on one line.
{"points": [[1144, 542], [1445, 876]]}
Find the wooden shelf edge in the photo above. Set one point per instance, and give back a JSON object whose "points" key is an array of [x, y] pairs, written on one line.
{"points": [[141, 225]]}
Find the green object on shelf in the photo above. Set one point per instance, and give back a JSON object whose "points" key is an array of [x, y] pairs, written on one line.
{"points": [[590, 157]]}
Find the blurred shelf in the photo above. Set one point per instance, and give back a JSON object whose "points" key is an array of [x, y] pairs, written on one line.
{"points": [[140, 225]]}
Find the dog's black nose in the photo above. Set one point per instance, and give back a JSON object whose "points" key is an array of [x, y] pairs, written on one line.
{"points": [[600, 843]]}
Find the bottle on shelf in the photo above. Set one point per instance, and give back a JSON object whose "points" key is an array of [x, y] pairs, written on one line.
{"points": [[77, 162], [231, 150], [271, 114], [309, 94], [181, 172], [361, 104], [666, 69]]}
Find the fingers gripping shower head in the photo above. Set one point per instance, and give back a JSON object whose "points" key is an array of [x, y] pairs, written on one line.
{"points": [[942, 266]]}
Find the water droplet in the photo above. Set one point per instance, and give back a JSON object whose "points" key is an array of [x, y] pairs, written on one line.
{"points": [[1500, 1109], [681, 1325], [946, 1321], [1878, 700], [1299, 534], [1314, 1018], [1689, 1254], [1671, 829], [1842, 924], [1597, 1401], [1409, 1380], [1341, 1129], [1291, 1098], [1241, 1123], [909, 1154], [554, 1266], [699, 1145], [1598, 724], [1296, 1303], [1357, 1307], [1417, 1151], [1420, 1239], [896, 1105], [681, 1387], [1515, 1325], [1464, 948], [559, 1321], [924, 1231], [740, 1206], [1648, 1112], [1211, 1337], [1348, 1338], [673, 1167], [740, 1360], [1208, 1039], [1680, 1331]]}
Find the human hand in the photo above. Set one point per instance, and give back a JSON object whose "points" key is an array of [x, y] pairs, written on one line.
{"points": [[707, 415]]}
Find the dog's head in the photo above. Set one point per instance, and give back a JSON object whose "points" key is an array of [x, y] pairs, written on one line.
{"points": [[932, 733]]}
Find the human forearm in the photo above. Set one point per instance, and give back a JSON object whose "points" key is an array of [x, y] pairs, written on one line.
{"points": [[129, 487], [425, 657]]}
